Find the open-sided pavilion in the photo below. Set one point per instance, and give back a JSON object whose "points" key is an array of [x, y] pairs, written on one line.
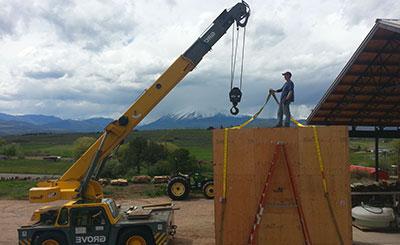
{"points": [[366, 94]]}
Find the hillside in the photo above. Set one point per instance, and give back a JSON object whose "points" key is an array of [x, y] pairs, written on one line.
{"points": [[33, 124]]}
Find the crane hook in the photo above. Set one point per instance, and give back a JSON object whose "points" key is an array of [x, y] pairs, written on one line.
{"points": [[234, 110], [235, 95]]}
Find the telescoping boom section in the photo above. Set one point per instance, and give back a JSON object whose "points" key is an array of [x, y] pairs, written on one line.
{"points": [[77, 182]]}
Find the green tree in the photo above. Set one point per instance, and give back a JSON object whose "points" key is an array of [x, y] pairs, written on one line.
{"points": [[121, 153], [153, 153], [182, 161], [156, 158], [10, 150], [134, 155], [2, 142], [81, 145]]}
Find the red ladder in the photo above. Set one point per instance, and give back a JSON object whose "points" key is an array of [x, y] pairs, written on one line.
{"points": [[279, 149]]}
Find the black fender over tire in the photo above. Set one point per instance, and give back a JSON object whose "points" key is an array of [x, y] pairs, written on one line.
{"points": [[56, 236]]}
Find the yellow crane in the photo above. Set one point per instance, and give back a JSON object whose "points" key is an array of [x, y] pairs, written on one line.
{"points": [[88, 217]]}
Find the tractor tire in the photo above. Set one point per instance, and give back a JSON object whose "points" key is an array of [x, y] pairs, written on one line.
{"points": [[136, 236], [178, 188], [208, 189], [47, 238]]}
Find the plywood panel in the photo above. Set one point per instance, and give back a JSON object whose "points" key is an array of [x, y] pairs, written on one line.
{"points": [[250, 152], [334, 150]]}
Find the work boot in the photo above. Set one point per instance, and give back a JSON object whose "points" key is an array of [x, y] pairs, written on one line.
{"points": [[278, 126]]}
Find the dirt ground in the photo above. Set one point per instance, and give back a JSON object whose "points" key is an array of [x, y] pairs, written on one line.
{"points": [[194, 220]]}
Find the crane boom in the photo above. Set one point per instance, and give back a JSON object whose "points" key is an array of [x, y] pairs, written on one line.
{"points": [[76, 182]]}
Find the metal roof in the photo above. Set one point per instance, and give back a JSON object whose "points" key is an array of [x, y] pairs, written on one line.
{"points": [[367, 91]]}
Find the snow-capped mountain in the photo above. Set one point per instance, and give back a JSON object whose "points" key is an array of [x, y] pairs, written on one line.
{"points": [[194, 120], [25, 124]]}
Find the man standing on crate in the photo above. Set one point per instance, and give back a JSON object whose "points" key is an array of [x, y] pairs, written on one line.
{"points": [[287, 96]]}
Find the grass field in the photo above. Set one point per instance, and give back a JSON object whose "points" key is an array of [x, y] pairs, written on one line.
{"points": [[30, 166], [18, 189], [15, 189], [197, 141], [362, 152], [47, 144]]}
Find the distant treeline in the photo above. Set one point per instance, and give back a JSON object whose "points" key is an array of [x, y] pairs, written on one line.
{"points": [[142, 156]]}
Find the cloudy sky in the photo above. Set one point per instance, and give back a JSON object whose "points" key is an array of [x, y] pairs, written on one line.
{"points": [[81, 59]]}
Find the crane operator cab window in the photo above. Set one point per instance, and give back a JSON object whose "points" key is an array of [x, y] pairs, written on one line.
{"points": [[89, 225], [63, 217]]}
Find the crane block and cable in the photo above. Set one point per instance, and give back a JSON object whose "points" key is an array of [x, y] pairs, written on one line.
{"points": [[235, 93]]}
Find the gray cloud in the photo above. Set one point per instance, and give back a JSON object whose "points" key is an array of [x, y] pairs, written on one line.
{"points": [[45, 75], [12, 15], [356, 12], [78, 59], [95, 24], [171, 3], [267, 34]]}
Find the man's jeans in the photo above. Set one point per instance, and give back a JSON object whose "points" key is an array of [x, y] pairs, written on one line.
{"points": [[284, 110]]}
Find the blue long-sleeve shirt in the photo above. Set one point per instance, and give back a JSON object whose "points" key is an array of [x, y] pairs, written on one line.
{"points": [[286, 88]]}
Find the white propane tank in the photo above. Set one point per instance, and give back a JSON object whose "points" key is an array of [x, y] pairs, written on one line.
{"points": [[369, 218]]}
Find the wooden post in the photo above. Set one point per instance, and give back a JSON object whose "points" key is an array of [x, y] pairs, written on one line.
{"points": [[376, 154]]}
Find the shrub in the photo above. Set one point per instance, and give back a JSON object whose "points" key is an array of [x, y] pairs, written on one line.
{"points": [[159, 190], [359, 174], [11, 150], [162, 167], [113, 169]]}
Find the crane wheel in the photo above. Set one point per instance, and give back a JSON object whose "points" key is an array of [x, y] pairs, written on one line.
{"points": [[178, 188], [208, 190], [135, 237], [50, 238]]}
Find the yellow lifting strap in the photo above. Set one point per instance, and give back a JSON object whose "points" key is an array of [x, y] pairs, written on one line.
{"points": [[225, 163], [322, 171], [224, 180], [225, 166]]}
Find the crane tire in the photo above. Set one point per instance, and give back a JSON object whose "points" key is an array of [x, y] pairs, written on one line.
{"points": [[136, 236]]}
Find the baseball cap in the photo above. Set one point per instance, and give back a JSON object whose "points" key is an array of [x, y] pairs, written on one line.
{"points": [[287, 73]]}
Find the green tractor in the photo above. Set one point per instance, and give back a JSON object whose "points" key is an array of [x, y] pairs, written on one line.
{"points": [[180, 185]]}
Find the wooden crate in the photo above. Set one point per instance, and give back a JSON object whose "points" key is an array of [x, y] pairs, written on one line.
{"points": [[250, 154]]}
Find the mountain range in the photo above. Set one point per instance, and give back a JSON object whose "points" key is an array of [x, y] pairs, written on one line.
{"points": [[30, 124], [192, 120]]}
